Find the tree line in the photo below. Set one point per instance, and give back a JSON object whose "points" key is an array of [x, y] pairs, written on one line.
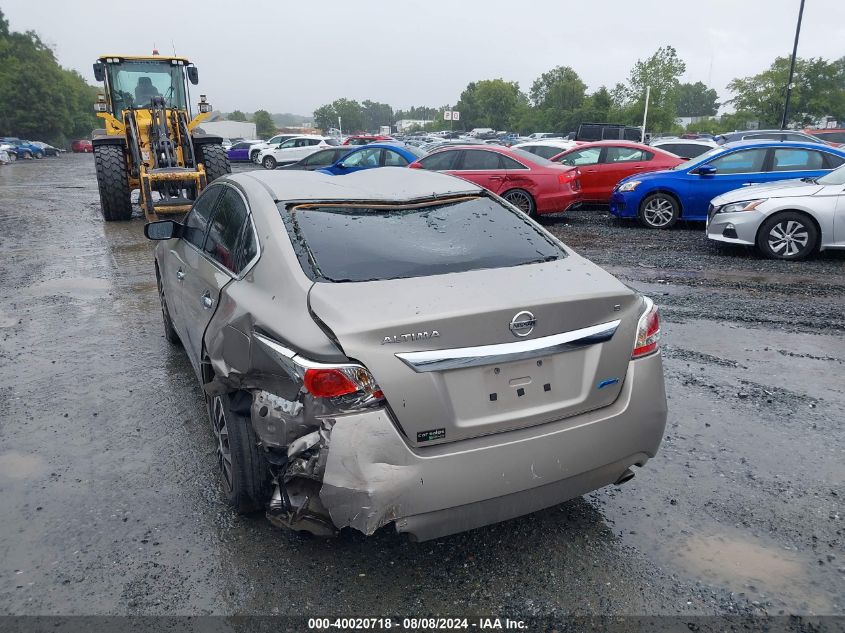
{"points": [[558, 100], [40, 100]]}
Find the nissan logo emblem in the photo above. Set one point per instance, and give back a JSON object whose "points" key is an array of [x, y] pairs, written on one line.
{"points": [[523, 323]]}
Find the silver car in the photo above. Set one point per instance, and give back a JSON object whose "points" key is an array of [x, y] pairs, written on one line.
{"points": [[402, 346], [788, 219]]}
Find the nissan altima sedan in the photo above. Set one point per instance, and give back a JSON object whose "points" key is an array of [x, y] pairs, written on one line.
{"points": [[404, 347], [789, 219]]}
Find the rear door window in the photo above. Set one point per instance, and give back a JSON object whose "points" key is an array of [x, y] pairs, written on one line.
{"points": [[394, 159], [796, 159], [349, 244], [479, 160], [441, 161], [196, 221], [225, 228], [623, 155]]}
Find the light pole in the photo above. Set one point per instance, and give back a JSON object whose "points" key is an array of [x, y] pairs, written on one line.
{"points": [[339, 127], [792, 68]]}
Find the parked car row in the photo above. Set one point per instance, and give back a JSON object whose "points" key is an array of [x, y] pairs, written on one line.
{"points": [[13, 148]]}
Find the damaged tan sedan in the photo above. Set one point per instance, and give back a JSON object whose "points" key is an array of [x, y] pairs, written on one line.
{"points": [[402, 346]]}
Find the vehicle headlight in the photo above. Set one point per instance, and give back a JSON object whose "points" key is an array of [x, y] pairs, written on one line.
{"points": [[629, 186], [745, 205]]}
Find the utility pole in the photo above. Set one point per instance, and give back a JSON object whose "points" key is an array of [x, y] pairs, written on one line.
{"points": [[645, 113], [792, 69]]}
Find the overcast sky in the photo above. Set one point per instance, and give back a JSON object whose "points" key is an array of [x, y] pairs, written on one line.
{"points": [[294, 56]]}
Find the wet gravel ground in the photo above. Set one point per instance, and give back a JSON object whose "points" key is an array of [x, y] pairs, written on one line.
{"points": [[111, 502]]}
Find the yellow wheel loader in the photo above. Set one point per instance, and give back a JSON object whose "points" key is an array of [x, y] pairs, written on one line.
{"points": [[151, 141]]}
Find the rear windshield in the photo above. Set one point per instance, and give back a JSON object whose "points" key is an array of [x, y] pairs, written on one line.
{"points": [[345, 244]]}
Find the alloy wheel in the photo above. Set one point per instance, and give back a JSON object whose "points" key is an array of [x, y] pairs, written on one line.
{"points": [[658, 212], [521, 201], [788, 238], [221, 433]]}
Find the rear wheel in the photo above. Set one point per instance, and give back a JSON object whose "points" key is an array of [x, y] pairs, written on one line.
{"points": [[26, 155], [12, 157], [244, 471], [215, 160], [38, 155], [269, 162], [523, 201], [787, 235], [113, 182], [659, 211]]}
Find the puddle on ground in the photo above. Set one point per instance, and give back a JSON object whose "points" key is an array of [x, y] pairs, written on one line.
{"points": [[15, 465], [71, 285], [764, 571]]}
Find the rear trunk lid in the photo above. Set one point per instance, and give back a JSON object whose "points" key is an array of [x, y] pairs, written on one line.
{"points": [[548, 341]]}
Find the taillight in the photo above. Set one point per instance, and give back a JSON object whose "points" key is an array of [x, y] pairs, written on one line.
{"points": [[415, 166], [648, 331], [332, 382], [569, 177]]}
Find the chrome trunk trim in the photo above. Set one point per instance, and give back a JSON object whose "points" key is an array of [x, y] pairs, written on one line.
{"points": [[442, 359]]}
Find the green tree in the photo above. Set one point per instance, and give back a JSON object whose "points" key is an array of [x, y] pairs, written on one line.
{"points": [[560, 88], [697, 100], [237, 115], [375, 114], [661, 72], [819, 90], [264, 125], [325, 117], [493, 103]]}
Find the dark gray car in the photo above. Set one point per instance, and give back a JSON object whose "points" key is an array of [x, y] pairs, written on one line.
{"points": [[402, 346]]}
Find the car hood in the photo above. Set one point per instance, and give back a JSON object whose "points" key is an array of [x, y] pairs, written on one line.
{"points": [[779, 189]]}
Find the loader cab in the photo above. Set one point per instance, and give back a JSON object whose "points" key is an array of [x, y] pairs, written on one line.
{"points": [[133, 82]]}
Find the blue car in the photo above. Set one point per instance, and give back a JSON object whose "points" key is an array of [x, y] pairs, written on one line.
{"points": [[22, 149], [374, 155], [659, 199]]}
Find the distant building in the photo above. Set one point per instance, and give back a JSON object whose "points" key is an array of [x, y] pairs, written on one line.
{"points": [[230, 129], [404, 125]]}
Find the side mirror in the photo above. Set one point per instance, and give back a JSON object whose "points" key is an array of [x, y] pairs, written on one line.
{"points": [[341, 166], [193, 74], [706, 170], [100, 71], [163, 230]]}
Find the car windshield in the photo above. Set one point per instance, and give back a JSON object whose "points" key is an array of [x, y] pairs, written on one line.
{"points": [[134, 83], [831, 137], [836, 177], [699, 159], [353, 243]]}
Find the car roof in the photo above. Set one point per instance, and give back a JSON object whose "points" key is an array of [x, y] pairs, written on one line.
{"points": [[386, 184], [752, 142], [678, 140], [546, 142]]}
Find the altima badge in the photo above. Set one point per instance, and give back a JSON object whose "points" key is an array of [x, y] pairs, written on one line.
{"points": [[413, 336], [523, 323]]}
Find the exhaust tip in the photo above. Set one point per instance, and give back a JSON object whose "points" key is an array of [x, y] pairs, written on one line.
{"points": [[628, 475]]}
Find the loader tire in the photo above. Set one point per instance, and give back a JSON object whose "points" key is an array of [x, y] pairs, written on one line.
{"points": [[215, 160], [113, 182]]}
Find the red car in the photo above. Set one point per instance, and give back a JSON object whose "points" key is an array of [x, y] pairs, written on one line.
{"points": [[832, 135], [529, 182], [83, 145], [366, 139], [604, 163]]}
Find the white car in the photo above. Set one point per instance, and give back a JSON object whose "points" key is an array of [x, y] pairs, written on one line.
{"points": [[684, 147], [275, 141], [547, 147], [294, 149]]}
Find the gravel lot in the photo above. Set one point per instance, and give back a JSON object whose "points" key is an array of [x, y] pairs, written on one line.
{"points": [[111, 502]]}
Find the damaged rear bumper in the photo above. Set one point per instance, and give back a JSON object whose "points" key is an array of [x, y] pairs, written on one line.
{"points": [[372, 477]]}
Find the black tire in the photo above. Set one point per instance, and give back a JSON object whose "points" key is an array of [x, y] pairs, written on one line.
{"points": [[788, 235], [26, 155], [659, 211], [216, 161], [253, 155], [523, 201], [269, 163], [12, 157], [247, 483], [38, 155], [169, 331], [113, 182]]}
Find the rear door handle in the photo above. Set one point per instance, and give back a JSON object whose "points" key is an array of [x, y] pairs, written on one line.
{"points": [[180, 275], [496, 177], [207, 301]]}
